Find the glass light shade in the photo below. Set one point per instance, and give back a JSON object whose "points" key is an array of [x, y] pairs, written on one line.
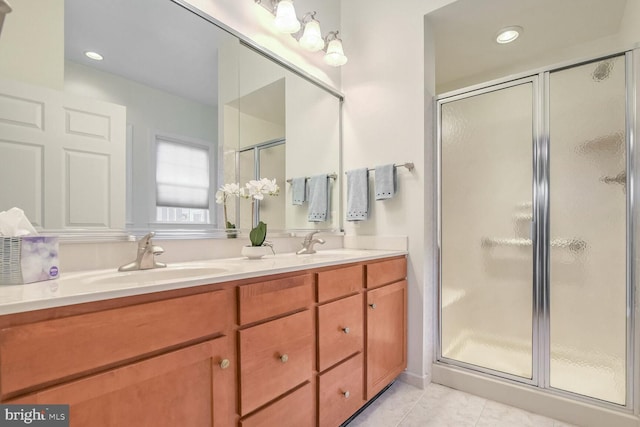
{"points": [[312, 39], [335, 55], [286, 20]]}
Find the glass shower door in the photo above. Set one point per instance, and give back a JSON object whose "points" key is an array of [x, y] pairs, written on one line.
{"points": [[486, 217], [587, 224]]}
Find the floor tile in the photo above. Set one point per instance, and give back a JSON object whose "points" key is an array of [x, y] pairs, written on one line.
{"points": [[443, 406], [496, 414], [403, 405], [390, 408]]}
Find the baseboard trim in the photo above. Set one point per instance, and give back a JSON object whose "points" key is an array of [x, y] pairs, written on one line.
{"points": [[420, 381]]}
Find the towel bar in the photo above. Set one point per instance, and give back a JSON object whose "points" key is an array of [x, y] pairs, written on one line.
{"points": [[331, 175], [408, 165]]}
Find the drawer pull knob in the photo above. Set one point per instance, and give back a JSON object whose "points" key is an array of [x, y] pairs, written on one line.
{"points": [[345, 330], [284, 358], [224, 364], [373, 306], [346, 394]]}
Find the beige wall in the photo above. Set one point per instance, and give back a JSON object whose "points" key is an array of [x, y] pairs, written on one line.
{"points": [[38, 24], [387, 118]]}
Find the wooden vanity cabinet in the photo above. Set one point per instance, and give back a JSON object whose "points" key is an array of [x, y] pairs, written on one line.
{"points": [[297, 349]]}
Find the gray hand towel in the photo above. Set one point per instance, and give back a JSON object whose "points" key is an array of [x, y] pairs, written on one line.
{"points": [[298, 191], [358, 194], [385, 181], [318, 198]]}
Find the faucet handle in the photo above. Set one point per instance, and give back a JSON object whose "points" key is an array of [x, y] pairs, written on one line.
{"points": [[146, 239], [310, 235]]}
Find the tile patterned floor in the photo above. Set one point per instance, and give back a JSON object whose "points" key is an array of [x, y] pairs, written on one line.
{"points": [[403, 405]]}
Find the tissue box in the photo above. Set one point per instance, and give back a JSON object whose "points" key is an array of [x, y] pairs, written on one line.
{"points": [[28, 259]]}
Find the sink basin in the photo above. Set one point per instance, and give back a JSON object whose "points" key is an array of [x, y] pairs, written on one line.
{"points": [[156, 274]]}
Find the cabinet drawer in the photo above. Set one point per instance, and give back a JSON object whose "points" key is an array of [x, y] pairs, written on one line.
{"points": [[337, 283], [340, 392], [43, 352], [274, 357], [385, 272], [340, 330], [293, 410], [259, 301]]}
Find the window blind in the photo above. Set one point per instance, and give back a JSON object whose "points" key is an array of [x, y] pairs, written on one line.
{"points": [[182, 175]]}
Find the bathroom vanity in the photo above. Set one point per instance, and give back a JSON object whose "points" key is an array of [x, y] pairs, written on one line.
{"points": [[287, 341]]}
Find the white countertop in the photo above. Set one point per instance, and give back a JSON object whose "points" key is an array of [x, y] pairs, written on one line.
{"points": [[96, 285]]}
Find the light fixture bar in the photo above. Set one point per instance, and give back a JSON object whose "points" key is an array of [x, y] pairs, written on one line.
{"points": [[306, 31]]}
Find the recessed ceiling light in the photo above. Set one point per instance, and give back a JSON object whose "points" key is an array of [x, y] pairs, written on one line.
{"points": [[508, 34], [93, 55]]}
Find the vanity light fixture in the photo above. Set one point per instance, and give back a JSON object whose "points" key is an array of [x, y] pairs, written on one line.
{"points": [[286, 20], [93, 55], [508, 34], [311, 38], [335, 55]]}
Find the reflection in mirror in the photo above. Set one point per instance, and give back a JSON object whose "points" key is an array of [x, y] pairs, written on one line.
{"points": [[285, 121], [147, 111], [113, 144]]}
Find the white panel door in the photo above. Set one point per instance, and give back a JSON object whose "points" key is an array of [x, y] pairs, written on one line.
{"points": [[64, 157]]}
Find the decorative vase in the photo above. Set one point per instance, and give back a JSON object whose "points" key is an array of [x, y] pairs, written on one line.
{"points": [[255, 252]]}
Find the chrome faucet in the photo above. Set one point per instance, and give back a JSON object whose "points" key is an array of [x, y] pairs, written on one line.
{"points": [[307, 244], [145, 259]]}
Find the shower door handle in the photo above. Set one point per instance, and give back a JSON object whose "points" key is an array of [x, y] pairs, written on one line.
{"points": [[532, 230]]}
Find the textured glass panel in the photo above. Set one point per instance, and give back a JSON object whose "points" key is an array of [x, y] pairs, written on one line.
{"points": [[487, 254], [587, 224]]}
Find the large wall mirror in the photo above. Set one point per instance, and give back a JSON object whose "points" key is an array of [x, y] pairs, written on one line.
{"points": [[142, 139]]}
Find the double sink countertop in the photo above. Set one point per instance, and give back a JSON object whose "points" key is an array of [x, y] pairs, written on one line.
{"points": [[95, 285]]}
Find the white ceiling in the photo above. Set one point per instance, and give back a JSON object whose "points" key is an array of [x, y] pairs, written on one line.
{"points": [[465, 32], [157, 43]]}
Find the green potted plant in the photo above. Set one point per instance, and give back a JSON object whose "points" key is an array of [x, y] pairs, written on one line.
{"points": [[256, 190]]}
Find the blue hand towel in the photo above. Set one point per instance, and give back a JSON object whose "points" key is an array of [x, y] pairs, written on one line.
{"points": [[358, 194], [319, 198], [385, 181], [298, 191]]}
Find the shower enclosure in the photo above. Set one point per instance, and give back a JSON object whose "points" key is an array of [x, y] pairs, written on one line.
{"points": [[534, 230]]}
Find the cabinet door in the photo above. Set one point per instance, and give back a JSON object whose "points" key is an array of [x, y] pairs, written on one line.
{"points": [[193, 386], [386, 335]]}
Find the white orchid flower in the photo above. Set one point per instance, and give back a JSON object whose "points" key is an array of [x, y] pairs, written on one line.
{"points": [[227, 190]]}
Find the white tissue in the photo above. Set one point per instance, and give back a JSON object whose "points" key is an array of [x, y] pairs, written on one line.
{"points": [[14, 223]]}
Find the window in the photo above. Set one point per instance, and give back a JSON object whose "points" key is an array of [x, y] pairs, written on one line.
{"points": [[182, 181]]}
